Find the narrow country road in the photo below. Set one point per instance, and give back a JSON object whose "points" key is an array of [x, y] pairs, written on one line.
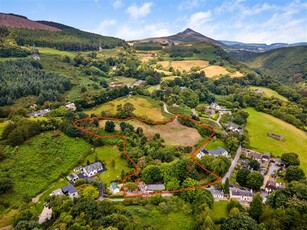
{"points": [[165, 109], [233, 164]]}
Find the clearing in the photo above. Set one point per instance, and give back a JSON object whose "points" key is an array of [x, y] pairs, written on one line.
{"points": [[173, 133], [260, 124], [268, 92], [144, 107], [184, 65]]}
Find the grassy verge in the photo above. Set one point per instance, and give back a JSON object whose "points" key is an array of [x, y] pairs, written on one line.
{"points": [[260, 124]]}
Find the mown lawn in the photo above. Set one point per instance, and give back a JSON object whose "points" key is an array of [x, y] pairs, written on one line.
{"points": [[260, 124], [269, 92], [219, 210], [106, 154], [214, 144], [173, 220], [39, 162], [144, 107]]}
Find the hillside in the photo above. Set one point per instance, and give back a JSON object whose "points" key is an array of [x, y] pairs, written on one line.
{"points": [[286, 64], [186, 36], [16, 21]]}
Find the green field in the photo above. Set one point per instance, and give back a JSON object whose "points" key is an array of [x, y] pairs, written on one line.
{"points": [[219, 210], [106, 154], [39, 162], [269, 92], [260, 124], [173, 220], [144, 107]]}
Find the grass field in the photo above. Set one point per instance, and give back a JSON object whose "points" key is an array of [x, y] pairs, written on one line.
{"points": [[219, 210], [260, 124], [39, 162], [184, 65], [173, 133], [173, 220], [46, 50], [106, 154], [214, 70], [144, 106], [268, 92]]}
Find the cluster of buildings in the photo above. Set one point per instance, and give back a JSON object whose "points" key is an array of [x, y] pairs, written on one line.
{"points": [[43, 112], [215, 152]]}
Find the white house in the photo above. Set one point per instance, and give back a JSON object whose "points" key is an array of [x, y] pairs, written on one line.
{"points": [[92, 169], [70, 106], [241, 195], [70, 191], [114, 188]]}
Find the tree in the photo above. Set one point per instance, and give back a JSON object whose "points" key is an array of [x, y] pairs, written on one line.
{"points": [[109, 126], [90, 192], [239, 221], [294, 173], [254, 180], [242, 176], [125, 111], [232, 143], [254, 164], [255, 210], [151, 174], [131, 186], [6, 184], [290, 159], [226, 186]]}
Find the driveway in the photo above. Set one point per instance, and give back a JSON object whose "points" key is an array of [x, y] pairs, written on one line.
{"points": [[272, 168]]}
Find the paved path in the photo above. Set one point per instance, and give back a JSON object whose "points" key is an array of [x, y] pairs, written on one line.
{"points": [[165, 109], [45, 215], [233, 164]]}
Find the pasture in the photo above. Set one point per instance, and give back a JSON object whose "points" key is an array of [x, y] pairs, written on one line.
{"points": [[214, 70], [144, 107], [268, 92], [184, 65], [174, 134], [260, 124]]}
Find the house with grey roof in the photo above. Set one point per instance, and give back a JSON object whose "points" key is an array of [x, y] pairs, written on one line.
{"points": [[202, 153], [241, 195], [57, 192], [114, 188], [92, 169], [155, 187], [70, 191], [72, 178], [234, 128], [39, 113], [218, 152]]}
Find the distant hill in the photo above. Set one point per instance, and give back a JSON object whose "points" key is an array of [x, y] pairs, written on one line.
{"points": [[55, 35], [187, 36], [286, 64], [18, 21], [259, 47]]}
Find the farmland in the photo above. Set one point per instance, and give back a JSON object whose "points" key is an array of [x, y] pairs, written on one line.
{"points": [[184, 65], [260, 124], [144, 107], [269, 92]]}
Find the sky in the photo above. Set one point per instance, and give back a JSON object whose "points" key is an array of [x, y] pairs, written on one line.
{"points": [[247, 21]]}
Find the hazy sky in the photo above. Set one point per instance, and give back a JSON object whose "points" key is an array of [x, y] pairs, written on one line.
{"points": [[236, 20]]}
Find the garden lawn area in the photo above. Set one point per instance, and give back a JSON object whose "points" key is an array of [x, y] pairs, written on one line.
{"points": [[260, 124], [219, 210], [39, 162], [268, 92], [214, 144], [144, 107], [173, 220], [106, 154]]}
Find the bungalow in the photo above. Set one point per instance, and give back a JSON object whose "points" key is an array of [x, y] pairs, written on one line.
{"points": [[70, 106], [39, 113], [114, 188], [70, 191], [72, 178], [241, 195], [155, 187], [272, 185], [92, 169], [252, 154]]}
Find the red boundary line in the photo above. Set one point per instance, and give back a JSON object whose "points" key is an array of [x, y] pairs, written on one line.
{"points": [[193, 153]]}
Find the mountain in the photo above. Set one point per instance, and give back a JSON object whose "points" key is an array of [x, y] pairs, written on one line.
{"points": [[18, 21], [52, 34], [259, 47], [186, 36], [286, 64]]}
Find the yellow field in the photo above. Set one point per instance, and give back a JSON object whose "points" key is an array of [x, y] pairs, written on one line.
{"points": [[184, 65], [237, 74], [173, 133], [167, 73], [215, 70], [144, 106], [269, 92]]}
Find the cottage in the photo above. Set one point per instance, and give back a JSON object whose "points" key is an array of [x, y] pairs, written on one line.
{"points": [[114, 188], [272, 185], [92, 169], [72, 177], [252, 154], [266, 157], [241, 195], [217, 194], [234, 128], [218, 152], [215, 106], [70, 191], [70, 106], [155, 187]]}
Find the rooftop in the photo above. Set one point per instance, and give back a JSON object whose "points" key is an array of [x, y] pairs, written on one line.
{"points": [[218, 151], [69, 189], [154, 187], [92, 167], [240, 192]]}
